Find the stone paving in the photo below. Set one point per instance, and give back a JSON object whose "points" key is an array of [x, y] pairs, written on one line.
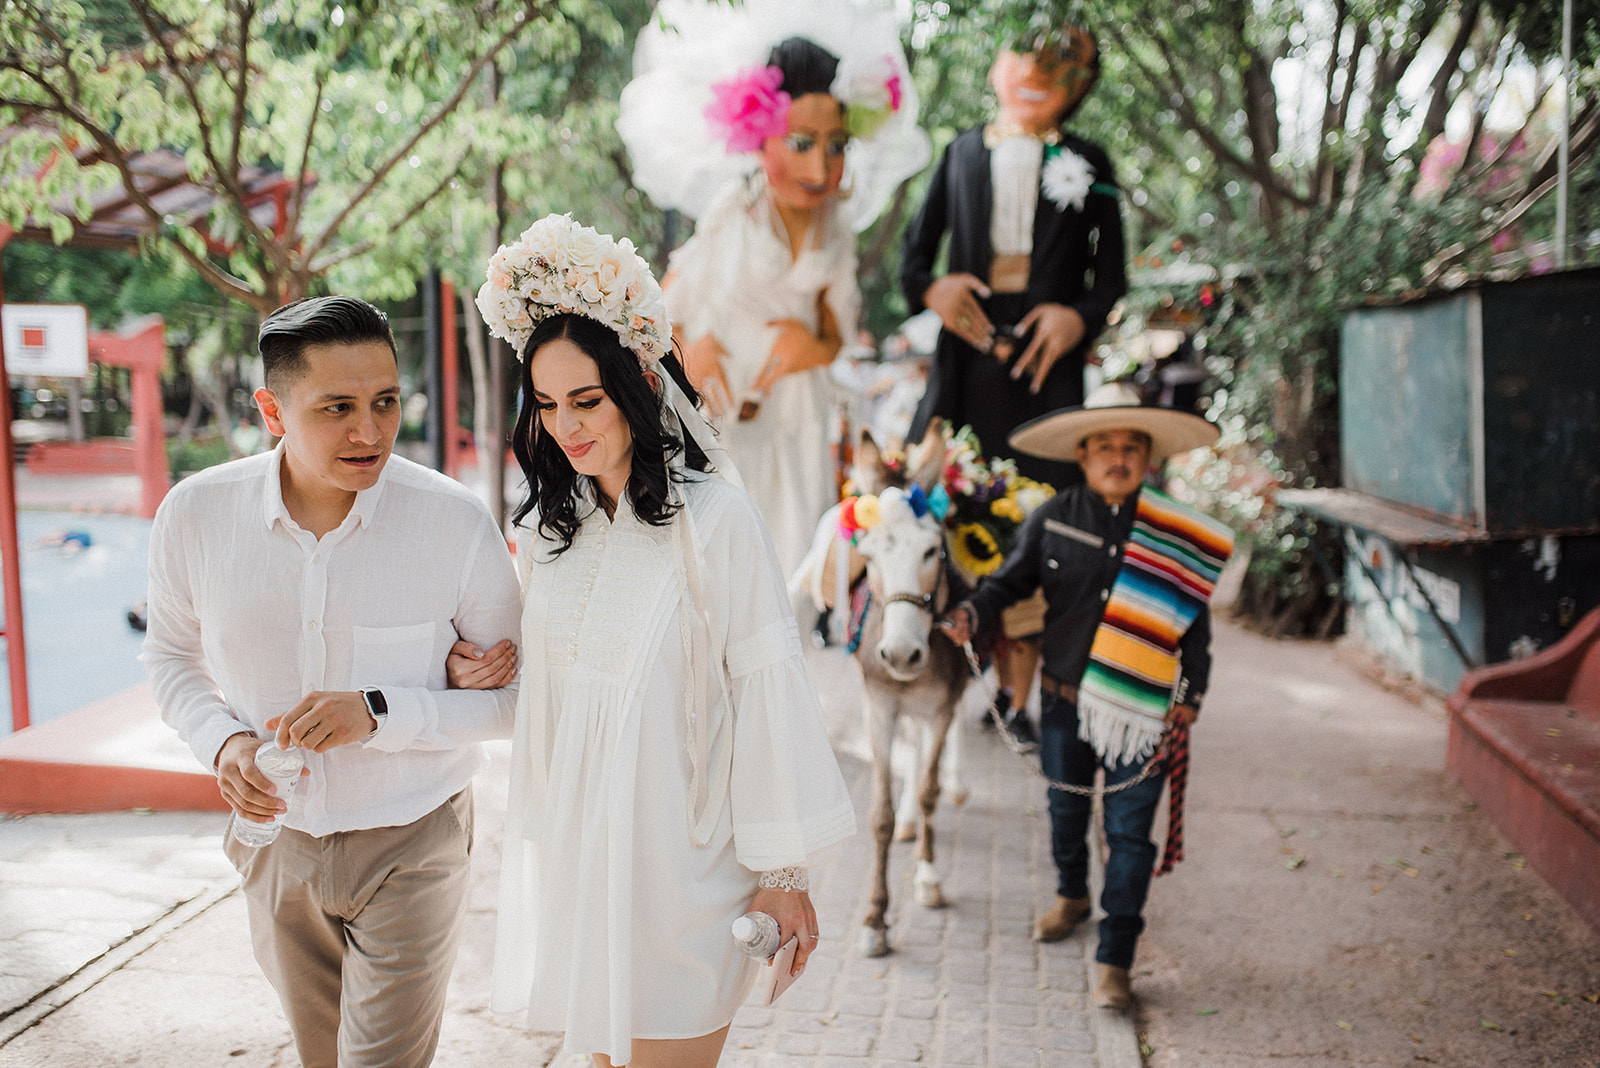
{"points": [[124, 942], [962, 985], [75, 889]]}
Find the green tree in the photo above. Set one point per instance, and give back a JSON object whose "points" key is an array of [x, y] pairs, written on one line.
{"points": [[553, 146], [374, 113], [366, 108], [1295, 157]]}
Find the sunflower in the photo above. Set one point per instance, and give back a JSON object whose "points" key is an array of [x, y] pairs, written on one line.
{"points": [[974, 550]]}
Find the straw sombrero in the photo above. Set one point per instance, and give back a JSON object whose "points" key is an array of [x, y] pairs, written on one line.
{"points": [[1114, 406]]}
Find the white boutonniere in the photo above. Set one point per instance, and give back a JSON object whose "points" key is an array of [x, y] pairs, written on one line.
{"points": [[1066, 178]]}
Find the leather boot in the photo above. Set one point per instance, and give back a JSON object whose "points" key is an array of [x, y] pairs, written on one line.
{"points": [[1111, 988], [1059, 920]]}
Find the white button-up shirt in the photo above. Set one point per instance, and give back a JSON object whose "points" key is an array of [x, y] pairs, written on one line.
{"points": [[1014, 166], [248, 613]]}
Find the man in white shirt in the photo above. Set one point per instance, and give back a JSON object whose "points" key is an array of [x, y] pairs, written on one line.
{"points": [[315, 591]]}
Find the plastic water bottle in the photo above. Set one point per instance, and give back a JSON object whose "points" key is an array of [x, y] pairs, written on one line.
{"points": [[282, 766], [757, 934]]}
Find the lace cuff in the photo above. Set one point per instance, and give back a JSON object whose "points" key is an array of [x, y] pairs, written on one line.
{"points": [[794, 879]]}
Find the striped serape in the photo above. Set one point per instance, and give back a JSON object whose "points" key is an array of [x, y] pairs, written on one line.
{"points": [[1169, 568]]}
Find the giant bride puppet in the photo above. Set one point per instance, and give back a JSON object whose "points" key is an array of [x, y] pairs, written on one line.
{"points": [[782, 128]]}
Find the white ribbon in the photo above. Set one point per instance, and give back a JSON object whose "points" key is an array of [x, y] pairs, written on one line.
{"points": [[673, 399], [705, 788]]}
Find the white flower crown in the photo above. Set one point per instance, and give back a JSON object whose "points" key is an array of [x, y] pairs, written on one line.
{"points": [[559, 265]]}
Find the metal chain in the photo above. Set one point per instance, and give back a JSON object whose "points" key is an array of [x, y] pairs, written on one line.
{"points": [[1018, 748]]}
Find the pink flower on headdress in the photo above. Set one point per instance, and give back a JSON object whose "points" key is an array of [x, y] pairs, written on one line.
{"points": [[895, 93], [749, 108]]}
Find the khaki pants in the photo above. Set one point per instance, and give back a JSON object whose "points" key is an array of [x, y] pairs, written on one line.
{"points": [[357, 932]]}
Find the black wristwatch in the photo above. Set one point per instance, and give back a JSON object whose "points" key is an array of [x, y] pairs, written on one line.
{"points": [[376, 705]]}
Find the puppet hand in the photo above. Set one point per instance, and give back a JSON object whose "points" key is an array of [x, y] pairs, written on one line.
{"points": [[702, 361], [1057, 330], [954, 298], [796, 349]]}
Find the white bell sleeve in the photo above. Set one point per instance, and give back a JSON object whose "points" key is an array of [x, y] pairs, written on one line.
{"points": [[788, 800]]}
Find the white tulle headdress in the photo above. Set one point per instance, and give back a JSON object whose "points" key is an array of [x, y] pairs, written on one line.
{"points": [[703, 98]]}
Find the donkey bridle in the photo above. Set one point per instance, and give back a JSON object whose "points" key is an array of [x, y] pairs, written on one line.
{"points": [[928, 602]]}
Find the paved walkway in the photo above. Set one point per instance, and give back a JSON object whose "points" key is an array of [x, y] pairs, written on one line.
{"points": [[1342, 904], [123, 942], [963, 985]]}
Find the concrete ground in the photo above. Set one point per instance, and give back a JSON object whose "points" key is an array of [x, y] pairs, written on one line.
{"points": [[1343, 903]]}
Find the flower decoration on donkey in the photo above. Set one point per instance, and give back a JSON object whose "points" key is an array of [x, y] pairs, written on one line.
{"points": [[859, 513], [989, 500]]}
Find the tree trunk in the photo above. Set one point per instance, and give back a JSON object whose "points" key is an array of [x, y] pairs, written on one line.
{"points": [[477, 361], [492, 440]]}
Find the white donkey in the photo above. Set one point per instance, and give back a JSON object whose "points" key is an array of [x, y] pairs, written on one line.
{"points": [[900, 583]]}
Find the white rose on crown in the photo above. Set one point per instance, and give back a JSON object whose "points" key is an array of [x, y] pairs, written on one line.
{"points": [[558, 265], [585, 249]]}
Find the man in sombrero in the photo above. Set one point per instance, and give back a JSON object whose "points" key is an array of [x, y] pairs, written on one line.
{"points": [[1127, 574]]}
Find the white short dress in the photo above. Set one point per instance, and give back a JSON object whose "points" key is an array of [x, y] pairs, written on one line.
{"points": [[647, 794]]}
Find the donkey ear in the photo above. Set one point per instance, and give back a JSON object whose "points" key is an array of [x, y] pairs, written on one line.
{"points": [[926, 462], [867, 470]]}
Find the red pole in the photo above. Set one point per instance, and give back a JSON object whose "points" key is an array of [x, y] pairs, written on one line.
{"points": [[143, 353], [10, 545], [450, 425], [149, 436]]}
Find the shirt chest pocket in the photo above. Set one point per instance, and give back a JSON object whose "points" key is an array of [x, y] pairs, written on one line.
{"points": [[1073, 559], [393, 656]]}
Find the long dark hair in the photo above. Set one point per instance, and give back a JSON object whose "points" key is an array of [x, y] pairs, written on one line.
{"points": [[552, 482]]}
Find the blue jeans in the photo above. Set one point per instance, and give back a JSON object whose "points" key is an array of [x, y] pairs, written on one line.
{"points": [[1129, 815]]}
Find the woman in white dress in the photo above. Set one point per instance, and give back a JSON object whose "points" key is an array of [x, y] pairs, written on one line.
{"points": [[671, 769], [764, 295]]}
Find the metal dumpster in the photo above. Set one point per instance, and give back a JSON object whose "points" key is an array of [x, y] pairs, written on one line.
{"points": [[1470, 456]]}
